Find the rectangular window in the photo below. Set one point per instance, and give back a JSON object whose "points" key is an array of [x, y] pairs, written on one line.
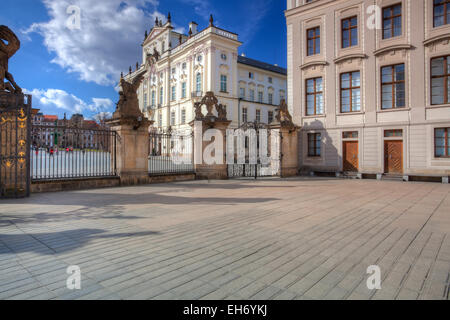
{"points": [[350, 135], [183, 90], [440, 80], [183, 116], [242, 93], [145, 100], [160, 119], [161, 96], [349, 32], [172, 118], [442, 142], [174, 93], [153, 98], [314, 144], [258, 116], [392, 21], [251, 75], [313, 41], [244, 115], [198, 85], [223, 83], [314, 96], [393, 133], [270, 80], [441, 12], [260, 97], [270, 98], [252, 95], [270, 116], [350, 92], [393, 86]]}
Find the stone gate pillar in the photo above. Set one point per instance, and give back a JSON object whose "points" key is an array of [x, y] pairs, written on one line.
{"points": [[132, 144], [289, 141], [132, 149], [210, 155]]}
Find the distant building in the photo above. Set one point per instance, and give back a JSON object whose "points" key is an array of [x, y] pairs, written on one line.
{"points": [[76, 132], [187, 66]]}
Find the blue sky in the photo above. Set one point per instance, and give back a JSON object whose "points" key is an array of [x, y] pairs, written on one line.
{"points": [[70, 71]]}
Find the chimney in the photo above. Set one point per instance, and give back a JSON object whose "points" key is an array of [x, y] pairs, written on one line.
{"points": [[193, 26]]}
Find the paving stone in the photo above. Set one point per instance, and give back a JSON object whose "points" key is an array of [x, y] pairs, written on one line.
{"points": [[265, 239]]}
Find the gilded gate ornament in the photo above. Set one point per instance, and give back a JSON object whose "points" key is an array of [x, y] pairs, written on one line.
{"points": [[15, 108]]}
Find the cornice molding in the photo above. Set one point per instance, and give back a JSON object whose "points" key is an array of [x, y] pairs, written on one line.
{"points": [[313, 63], [434, 39], [392, 48], [350, 57]]}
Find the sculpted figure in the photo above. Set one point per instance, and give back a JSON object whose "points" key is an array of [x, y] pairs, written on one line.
{"points": [[128, 105], [221, 112], [6, 52], [283, 115], [198, 111]]}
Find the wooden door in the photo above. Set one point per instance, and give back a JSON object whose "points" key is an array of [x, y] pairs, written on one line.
{"points": [[393, 156], [351, 162]]}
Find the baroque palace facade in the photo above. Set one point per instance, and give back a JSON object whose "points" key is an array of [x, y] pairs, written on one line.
{"points": [[371, 95], [188, 66]]}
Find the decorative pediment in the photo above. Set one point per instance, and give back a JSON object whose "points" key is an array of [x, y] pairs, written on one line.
{"points": [[198, 68], [314, 65], [350, 57], [437, 39], [395, 47], [224, 68], [154, 34]]}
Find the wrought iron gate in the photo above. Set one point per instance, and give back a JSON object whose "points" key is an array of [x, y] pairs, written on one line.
{"points": [[15, 124], [255, 169]]}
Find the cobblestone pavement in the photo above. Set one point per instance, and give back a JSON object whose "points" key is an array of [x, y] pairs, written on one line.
{"points": [[300, 238]]}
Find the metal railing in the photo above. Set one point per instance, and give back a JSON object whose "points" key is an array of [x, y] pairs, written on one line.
{"points": [[60, 152], [170, 153]]}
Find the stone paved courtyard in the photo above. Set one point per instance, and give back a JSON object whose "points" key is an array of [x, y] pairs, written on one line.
{"points": [[301, 238]]}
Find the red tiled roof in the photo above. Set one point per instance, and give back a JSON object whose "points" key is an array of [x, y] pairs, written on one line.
{"points": [[50, 118]]}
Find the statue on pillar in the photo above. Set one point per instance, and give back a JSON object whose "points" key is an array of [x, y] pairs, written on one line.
{"points": [[6, 52], [283, 116], [128, 105]]}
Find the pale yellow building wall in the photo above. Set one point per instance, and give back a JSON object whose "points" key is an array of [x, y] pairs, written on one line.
{"points": [[418, 43]]}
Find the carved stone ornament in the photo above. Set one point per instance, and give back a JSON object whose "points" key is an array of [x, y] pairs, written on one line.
{"points": [[127, 107], [221, 112], [6, 52], [211, 102], [198, 111], [283, 116]]}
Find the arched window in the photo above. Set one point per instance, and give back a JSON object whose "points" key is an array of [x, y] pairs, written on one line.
{"points": [[198, 82]]}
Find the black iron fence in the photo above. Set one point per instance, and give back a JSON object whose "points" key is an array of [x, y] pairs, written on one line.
{"points": [[170, 153], [60, 152]]}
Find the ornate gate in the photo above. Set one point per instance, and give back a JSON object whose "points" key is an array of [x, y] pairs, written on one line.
{"points": [[15, 124], [267, 144]]}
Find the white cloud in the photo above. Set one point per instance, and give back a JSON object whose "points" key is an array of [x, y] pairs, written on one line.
{"points": [[61, 99], [102, 116], [107, 42]]}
